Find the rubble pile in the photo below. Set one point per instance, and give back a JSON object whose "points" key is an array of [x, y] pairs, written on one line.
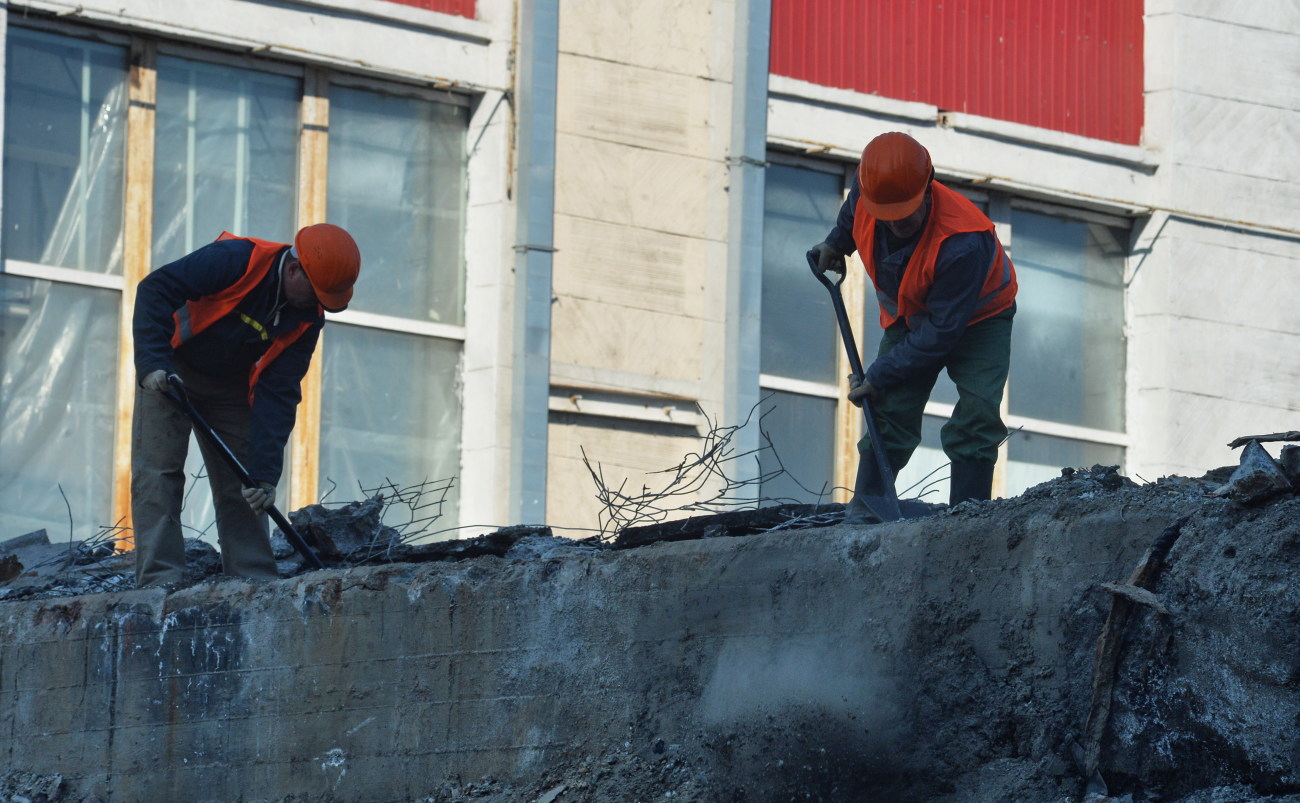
{"points": [[352, 534]]}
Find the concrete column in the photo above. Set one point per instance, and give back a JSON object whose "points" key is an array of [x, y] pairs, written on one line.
{"points": [[535, 103]]}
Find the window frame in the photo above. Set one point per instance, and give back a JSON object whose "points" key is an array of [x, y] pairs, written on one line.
{"points": [[848, 419], [142, 51]]}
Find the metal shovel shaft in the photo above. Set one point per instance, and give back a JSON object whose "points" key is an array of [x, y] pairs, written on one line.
{"points": [[889, 501], [183, 400]]}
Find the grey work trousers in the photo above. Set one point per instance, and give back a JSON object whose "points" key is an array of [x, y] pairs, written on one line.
{"points": [[160, 436]]}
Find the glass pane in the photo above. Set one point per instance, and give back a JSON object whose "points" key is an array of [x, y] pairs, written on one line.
{"points": [[799, 336], [225, 156], [1039, 458], [64, 151], [58, 366], [802, 431], [390, 412], [926, 475], [397, 184], [1067, 347]]}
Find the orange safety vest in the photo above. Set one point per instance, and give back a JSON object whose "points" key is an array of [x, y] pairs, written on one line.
{"points": [[950, 213], [195, 316]]}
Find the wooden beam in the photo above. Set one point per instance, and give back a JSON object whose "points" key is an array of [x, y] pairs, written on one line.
{"points": [[313, 172], [137, 248]]}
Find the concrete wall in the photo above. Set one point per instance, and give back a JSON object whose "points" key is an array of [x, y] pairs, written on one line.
{"points": [[830, 650]]}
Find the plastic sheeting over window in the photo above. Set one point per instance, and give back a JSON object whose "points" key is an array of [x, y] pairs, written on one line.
{"points": [[397, 183], [390, 412], [63, 161], [391, 409], [58, 368], [64, 151], [225, 156]]}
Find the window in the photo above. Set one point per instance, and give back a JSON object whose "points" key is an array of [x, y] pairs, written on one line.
{"points": [[800, 341], [225, 155], [219, 142], [1065, 397], [1067, 346], [64, 156], [391, 407]]}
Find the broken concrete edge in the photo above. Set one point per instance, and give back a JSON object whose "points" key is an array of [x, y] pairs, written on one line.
{"points": [[85, 567], [1259, 478], [731, 523]]}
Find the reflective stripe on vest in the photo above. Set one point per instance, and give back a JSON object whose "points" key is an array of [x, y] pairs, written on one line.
{"points": [[950, 213], [196, 316]]}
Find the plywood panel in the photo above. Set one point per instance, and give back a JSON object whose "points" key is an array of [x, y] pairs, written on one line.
{"points": [[313, 154], [600, 335], [629, 267], [638, 187], [137, 247], [637, 106]]}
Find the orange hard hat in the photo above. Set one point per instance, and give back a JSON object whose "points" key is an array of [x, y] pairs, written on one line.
{"points": [[331, 260], [893, 175]]}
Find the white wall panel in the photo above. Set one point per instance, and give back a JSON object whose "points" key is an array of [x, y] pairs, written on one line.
{"points": [[1235, 136], [637, 187], [1276, 15], [636, 106], [598, 334], [669, 36], [623, 451], [630, 267]]}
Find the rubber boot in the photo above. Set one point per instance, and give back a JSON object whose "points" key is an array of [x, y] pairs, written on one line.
{"points": [[868, 483], [970, 481]]}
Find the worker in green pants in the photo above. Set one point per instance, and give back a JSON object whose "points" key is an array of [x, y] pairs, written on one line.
{"points": [[947, 296]]}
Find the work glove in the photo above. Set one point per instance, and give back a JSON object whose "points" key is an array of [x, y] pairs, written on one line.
{"points": [[261, 498], [827, 258], [155, 380], [859, 389]]}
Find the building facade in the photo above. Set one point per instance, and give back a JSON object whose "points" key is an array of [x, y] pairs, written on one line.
{"points": [[583, 226]]}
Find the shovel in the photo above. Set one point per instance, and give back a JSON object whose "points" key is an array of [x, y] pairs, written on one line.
{"points": [[183, 401], [885, 505]]}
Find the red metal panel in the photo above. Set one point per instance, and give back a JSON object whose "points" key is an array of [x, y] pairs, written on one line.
{"points": [[461, 8], [1067, 65]]}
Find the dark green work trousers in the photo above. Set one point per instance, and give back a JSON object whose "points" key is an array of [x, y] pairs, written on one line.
{"points": [[978, 367]]}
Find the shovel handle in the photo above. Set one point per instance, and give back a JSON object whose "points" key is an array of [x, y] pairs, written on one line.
{"points": [[855, 365], [841, 315], [181, 398]]}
